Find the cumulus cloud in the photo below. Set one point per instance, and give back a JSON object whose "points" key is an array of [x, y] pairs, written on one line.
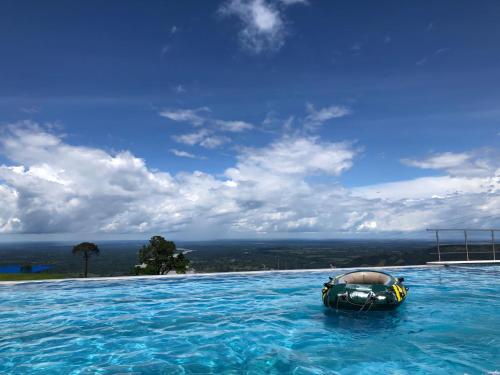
{"points": [[263, 25], [481, 162], [426, 187], [54, 186], [295, 156], [441, 161], [289, 186], [468, 195]]}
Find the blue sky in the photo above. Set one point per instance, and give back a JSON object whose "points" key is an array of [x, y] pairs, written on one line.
{"points": [[408, 90]]}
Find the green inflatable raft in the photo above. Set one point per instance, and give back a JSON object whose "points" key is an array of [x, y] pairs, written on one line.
{"points": [[364, 290]]}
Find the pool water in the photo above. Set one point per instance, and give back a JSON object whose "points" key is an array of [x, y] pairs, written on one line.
{"points": [[268, 323]]}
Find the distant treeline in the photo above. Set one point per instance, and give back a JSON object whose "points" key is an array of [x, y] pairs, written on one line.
{"points": [[119, 257]]}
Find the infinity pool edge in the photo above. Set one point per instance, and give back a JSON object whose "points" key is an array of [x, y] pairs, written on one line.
{"points": [[207, 274]]}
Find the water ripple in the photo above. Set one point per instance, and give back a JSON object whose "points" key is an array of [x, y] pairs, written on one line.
{"points": [[252, 324]]}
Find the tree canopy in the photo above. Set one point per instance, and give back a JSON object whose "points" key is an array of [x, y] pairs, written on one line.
{"points": [[86, 249], [161, 256]]}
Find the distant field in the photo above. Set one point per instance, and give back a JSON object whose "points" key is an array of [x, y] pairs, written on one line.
{"points": [[118, 258], [32, 276]]}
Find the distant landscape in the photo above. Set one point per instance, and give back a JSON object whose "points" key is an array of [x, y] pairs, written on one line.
{"points": [[117, 258]]}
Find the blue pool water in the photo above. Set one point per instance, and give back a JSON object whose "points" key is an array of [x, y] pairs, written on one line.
{"points": [[17, 268], [256, 324]]}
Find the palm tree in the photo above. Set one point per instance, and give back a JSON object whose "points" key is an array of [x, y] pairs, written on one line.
{"points": [[87, 249]]}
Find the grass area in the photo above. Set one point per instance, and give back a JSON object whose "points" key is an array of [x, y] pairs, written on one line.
{"points": [[33, 276]]}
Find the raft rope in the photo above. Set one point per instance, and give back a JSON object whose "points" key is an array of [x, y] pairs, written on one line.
{"points": [[369, 298], [372, 296], [344, 296]]}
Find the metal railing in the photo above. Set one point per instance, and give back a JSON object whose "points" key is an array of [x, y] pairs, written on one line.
{"points": [[466, 239]]}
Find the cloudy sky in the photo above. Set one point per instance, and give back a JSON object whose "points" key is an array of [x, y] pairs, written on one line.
{"points": [[248, 118]]}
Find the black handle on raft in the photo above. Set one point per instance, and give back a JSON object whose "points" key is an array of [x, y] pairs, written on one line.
{"points": [[401, 279]]}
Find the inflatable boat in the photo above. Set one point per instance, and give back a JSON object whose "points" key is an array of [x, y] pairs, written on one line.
{"points": [[364, 290]]}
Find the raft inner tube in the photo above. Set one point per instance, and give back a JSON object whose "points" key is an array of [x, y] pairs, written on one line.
{"points": [[364, 290], [365, 277]]}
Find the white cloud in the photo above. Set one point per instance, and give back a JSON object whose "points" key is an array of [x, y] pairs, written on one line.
{"points": [[58, 187], [467, 196], [182, 154], [400, 212], [52, 186], [315, 117], [214, 141], [294, 156], [441, 161], [179, 89], [30, 110], [199, 116], [204, 138], [263, 26], [292, 2], [233, 126], [421, 62], [426, 188], [481, 162], [356, 47], [193, 116], [441, 50], [164, 49], [191, 139], [288, 186]]}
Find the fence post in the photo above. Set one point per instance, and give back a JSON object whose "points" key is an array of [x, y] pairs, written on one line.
{"points": [[437, 241], [466, 244], [493, 243]]}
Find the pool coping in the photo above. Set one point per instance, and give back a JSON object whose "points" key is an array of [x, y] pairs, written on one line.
{"points": [[208, 274]]}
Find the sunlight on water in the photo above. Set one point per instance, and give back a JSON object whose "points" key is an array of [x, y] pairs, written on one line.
{"points": [[273, 323]]}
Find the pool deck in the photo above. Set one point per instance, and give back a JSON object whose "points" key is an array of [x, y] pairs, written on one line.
{"points": [[147, 277], [463, 262]]}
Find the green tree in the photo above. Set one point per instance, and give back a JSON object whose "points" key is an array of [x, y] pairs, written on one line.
{"points": [[161, 256], [86, 249]]}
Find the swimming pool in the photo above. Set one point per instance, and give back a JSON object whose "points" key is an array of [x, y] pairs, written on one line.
{"points": [[266, 323]]}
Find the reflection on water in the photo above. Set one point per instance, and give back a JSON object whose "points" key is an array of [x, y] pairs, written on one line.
{"points": [[366, 321]]}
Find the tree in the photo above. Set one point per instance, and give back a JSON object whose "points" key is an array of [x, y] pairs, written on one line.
{"points": [[86, 249], [161, 256]]}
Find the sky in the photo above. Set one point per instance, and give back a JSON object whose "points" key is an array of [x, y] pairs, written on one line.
{"points": [[248, 118]]}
